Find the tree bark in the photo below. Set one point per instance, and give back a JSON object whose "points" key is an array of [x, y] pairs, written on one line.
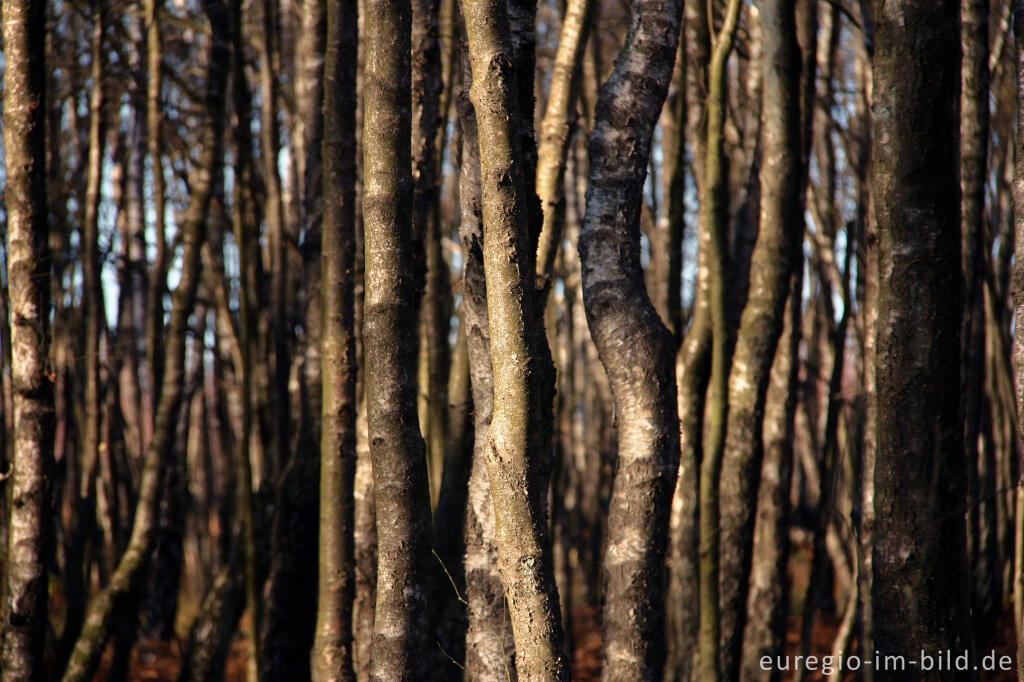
{"points": [[106, 606], [157, 285], [714, 225], [245, 229], [635, 347], [519, 457], [401, 638], [1018, 313], [768, 595], [23, 614], [489, 650], [333, 644], [919, 594], [974, 135], [776, 254], [556, 133], [431, 267]]}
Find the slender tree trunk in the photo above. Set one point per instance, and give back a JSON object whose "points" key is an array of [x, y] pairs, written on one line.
{"points": [[157, 286], [106, 606], [768, 595], [919, 594], [714, 223], [85, 520], [92, 291], [668, 246], [974, 134], [401, 639], [434, 311], [693, 368], [23, 614], [519, 457], [333, 644], [273, 216], [775, 256], [489, 650], [245, 229], [634, 345], [557, 132]]}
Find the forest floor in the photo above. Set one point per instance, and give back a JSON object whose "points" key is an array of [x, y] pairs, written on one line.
{"points": [[153, 660]]}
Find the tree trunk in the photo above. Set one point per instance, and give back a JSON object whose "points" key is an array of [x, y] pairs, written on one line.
{"points": [[635, 347], [246, 237], [401, 637], [23, 614], [974, 135], [768, 595], [714, 211], [432, 269], [557, 132], [489, 650], [1018, 316], [519, 457], [106, 606], [157, 286], [776, 255], [919, 594], [332, 653]]}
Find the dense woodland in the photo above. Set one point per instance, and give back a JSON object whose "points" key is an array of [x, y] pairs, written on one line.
{"points": [[503, 339]]}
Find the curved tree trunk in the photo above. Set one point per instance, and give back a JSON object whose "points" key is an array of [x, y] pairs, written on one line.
{"points": [[23, 612], [919, 595], [636, 348]]}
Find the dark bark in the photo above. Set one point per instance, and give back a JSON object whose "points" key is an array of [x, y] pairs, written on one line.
{"points": [[1018, 307], [246, 233], [635, 347], [919, 592], [431, 267], [974, 134], [210, 635], [23, 614]]}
